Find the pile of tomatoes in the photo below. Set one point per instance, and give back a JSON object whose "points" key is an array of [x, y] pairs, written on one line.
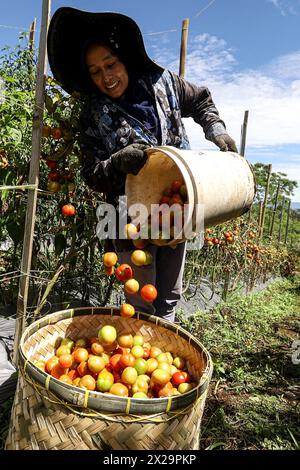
{"points": [[122, 365], [169, 216]]}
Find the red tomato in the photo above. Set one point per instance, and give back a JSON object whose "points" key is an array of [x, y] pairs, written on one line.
{"points": [[148, 293], [56, 133], [179, 378], [83, 369], [176, 185], [51, 164], [68, 210], [54, 176], [124, 272], [127, 360], [114, 362]]}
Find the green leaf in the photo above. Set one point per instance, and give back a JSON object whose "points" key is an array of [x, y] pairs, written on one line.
{"points": [[60, 243], [15, 134], [49, 103]]}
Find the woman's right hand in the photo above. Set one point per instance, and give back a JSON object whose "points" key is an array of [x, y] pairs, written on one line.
{"points": [[130, 159]]}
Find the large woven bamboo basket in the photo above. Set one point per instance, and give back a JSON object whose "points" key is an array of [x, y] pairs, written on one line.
{"points": [[51, 415]]}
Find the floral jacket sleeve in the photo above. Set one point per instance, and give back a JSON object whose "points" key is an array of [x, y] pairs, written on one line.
{"points": [[97, 169]]}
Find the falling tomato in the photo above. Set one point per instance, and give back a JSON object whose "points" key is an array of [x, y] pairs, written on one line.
{"points": [[148, 293]]}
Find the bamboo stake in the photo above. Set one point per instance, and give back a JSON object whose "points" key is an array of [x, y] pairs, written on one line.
{"points": [[183, 47], [280, 221], [244, 134], [261, 227], [33, 179], [32, 35], [274, 210], [287, 222]]}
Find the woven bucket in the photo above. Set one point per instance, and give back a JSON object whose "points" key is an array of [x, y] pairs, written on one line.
{"points": [[48, 414]]}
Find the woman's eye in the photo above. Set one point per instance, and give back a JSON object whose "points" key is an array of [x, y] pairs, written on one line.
{"points": [[111, 65]]}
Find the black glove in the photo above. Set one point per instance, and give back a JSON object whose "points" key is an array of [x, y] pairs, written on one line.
{"points": [[225, 143], [130, 159]]}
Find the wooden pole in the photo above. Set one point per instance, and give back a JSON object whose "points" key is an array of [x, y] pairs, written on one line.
{"points": [[33, 179], [274, 210], [244, 134], [31, 35], [287, 222], [183, 47], [280, 221], [261, 228]]}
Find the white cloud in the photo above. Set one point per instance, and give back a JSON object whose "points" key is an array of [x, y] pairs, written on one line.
{"points": [[270, 93], [286, 7]]}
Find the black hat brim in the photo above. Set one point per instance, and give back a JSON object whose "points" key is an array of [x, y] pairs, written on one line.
{"points": [[70, 29]]}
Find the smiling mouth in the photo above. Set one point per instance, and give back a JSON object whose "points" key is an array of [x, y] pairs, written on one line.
{"points": [[112, 86]]}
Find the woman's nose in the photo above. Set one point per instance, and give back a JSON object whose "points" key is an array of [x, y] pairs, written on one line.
{"points": [[107, 75]]}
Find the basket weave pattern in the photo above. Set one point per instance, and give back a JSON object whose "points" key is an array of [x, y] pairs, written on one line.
{"points": [[48, 414]]}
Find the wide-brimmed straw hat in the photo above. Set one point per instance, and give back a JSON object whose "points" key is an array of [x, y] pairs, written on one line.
{"points": [[70, 30]]}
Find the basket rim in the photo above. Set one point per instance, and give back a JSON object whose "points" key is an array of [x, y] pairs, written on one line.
{"points": [[122, 405]]}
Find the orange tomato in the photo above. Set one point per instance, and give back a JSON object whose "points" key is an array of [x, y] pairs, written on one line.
{"points": [[110, 258], [66, 360], [140, 243], [73, 374], [80, 354], [76, 381], [51, 363], [119, 389], [127, 310], [66, 379], [68, 210], [125, 340], [166, 390], [57, 371], [88, 382], [155, 351], [109, 270], [127, 360], [114, 362], [97, 348], [83, 369], [148, 293]]}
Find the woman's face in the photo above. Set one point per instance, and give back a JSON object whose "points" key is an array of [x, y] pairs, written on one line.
{"points": [[107, 71]]}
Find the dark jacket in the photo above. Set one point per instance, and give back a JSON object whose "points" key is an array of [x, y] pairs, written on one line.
{"points": [[106, 127]]}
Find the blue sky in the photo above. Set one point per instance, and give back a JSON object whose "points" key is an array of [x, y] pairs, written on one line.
{"points": [[247, 52]]}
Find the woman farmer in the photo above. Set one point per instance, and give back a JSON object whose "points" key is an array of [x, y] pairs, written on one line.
{"points": [[130, 103]]}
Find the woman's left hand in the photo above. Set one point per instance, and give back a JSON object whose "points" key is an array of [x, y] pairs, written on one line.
{"points": [[225, 143]]}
